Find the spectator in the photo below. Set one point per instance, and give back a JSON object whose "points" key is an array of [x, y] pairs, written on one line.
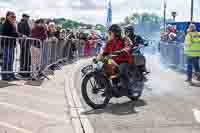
{"points": [[8, 45], [2, 21], [61, 43], [60, 35], [192, 50], [52, 30], [25, 55], [172, 36], [88, 47], [23, 26], [67, 32], [52, 41], [67, 46], [58, 31], [39, 32], [71, 44], [99, 45], [93, 43], [83, 39]]}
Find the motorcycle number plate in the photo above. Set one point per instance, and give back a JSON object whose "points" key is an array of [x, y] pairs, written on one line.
{"points": [[87, 69]]}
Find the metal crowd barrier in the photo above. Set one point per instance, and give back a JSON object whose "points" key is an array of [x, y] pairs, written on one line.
{"points": [[57, 51], [28, 57], [172, 54], [19, 56]]}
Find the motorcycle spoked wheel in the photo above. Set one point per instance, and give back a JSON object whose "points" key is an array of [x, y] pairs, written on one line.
{"points": [[140, 87], [100, 85]]}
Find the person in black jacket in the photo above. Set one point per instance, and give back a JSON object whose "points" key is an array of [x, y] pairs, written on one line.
{"points": [[8, 44], [136, 41], [23, 26], [25, 54]]}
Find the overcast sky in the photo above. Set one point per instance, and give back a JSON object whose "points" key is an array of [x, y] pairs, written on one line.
{"points": [[94, 11]]}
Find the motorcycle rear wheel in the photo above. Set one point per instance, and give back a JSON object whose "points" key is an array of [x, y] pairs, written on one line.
{"points": [[139, 86], [94, 90], [134, 98]]}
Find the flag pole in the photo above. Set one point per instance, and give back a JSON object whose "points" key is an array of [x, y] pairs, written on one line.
{"points": [[192, 10], [109, 13], [164, 13]]}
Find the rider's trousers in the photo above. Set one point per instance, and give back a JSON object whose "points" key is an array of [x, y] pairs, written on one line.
{"points": [[192, 62], [123, 72]]}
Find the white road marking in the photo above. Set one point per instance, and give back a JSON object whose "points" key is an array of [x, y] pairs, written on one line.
{"points": [[41, 114], [196, 114], [22, 130], [84, 119], [79, 122], [76, 123]]}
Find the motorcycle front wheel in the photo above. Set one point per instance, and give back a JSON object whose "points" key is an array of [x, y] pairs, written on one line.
{"points": [[94, 90]]}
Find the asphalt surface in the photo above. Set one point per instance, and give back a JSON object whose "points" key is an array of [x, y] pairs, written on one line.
{"points": [[167, 105], [35, 107]]}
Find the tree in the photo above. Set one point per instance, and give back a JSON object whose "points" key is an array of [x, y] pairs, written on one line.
{"points": [[135, 17], [59, 20], [145, 18], [144, 22], [100, 27], [127, 20]]}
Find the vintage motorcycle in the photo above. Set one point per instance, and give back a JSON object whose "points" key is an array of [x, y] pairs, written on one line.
{"points": [[101, 80]]}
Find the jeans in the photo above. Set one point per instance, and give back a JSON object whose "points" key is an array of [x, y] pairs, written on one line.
{"points": [[123, 72], [44, 55], [98, 49], [192, 62], [25, 57], [8, 60]]}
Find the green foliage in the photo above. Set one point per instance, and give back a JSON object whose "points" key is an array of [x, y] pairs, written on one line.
{"points": [[145, 22], [71, 24], [100, 27], [143, 18]]}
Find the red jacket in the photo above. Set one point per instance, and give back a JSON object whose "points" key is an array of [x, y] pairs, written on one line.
{"points": [[39, 33], [116, 45]]}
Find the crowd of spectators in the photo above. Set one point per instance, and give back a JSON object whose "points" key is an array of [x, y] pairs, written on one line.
{"points": [[170, 34], [67, 43]]}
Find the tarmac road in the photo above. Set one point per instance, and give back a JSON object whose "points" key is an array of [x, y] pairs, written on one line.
{"points": [[168, 105]]}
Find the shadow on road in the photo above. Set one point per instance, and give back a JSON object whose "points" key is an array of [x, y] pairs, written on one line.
{"points": [[4, 84], [34, 83], [195, 84], [126, 108]]}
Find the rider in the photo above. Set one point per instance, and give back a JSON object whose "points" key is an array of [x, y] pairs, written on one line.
{"points": [[130, 33], [136, 41], [117, 43]]}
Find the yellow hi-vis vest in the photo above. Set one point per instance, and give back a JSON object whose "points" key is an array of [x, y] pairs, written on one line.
{"points": [[192, 44]]}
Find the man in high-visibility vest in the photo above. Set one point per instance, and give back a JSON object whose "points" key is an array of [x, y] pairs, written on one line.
{"points": [[192, 51]]}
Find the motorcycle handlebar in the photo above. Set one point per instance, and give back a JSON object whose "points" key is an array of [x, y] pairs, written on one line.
{"points": [[120, 52]]}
